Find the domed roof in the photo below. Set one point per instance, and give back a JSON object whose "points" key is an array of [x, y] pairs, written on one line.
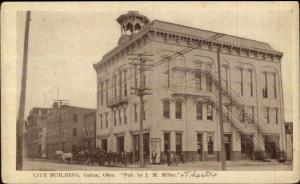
{"points": [[132, 15]]}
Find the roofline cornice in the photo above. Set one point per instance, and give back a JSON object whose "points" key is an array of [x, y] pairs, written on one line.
{"points": [[152, 33]]}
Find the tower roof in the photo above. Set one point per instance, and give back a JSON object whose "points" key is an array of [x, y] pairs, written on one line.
{"points": [[132, 15]]}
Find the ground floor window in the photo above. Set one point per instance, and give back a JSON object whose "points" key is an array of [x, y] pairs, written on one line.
{"points": [[210, 144], [178, 143], [199, 144], [167, 142]]}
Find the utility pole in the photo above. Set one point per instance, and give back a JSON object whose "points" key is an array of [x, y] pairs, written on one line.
{"points": [[141, 91], [20, 121], [221, 110], [142, 63], [60, 121]]}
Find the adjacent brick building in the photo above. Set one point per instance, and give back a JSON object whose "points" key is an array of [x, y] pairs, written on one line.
{"points": [[181, 115], [36, 122], [65, 128]]}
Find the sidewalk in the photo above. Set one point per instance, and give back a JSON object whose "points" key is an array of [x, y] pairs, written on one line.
{"points": [[208, 165]]}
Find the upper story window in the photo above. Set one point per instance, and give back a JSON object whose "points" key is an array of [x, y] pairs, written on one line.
{"points": [[209, 112], [265, 85], [267, 115], [74, 132], [125, 116], [226, 113], [208, 82], [115, 118], [224, 74], [106, 95], [167, 73], [199, 111], [198, 81], [135, 112], [276, 115], [120, 120], [101, 94], [106, 120], [144, 114], [274, 86], [120, 83], [75, 118], [115, 86], [252, 111], [101, 122], [242, 114], [166, 109], [178, 110], [125, 83], [240, 81], [250, 82]]}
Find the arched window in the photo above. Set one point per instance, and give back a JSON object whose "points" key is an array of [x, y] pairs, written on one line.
{"points": [[224, 73], [166, 109], [129, 29], [210, 145], [137, 27], [178, 109]]}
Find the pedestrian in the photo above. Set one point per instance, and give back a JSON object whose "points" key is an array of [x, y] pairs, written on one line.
{"points": [[125, 158], [153, 156], [172, 159], [114, 158], [182, 157], [109, 157], [168, 157]]}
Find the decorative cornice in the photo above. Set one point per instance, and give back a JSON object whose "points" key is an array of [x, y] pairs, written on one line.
{"points": [[150, 33]]}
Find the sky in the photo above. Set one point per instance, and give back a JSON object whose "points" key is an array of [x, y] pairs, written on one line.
{"points": [[63, 45]]}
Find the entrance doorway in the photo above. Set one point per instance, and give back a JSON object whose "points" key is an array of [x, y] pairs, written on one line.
{"points": [[227, 142], [136, 147], [271, 150], [120, 144], [271, 146], [247, 146]]}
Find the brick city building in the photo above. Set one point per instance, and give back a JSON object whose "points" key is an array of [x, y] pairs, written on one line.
{"points": [[33, 137], [89, 130], [181, 114], [64, 128]]}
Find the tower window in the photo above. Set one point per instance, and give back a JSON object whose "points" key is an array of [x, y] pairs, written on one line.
{"points": [[129, 29], [137, 27]]}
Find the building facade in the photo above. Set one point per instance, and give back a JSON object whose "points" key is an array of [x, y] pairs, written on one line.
{"points": [[64, 129], [33, 144], [89, 130], [181, 114]]}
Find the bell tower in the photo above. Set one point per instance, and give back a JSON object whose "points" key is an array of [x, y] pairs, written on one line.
{"points": [[131, 23]]}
